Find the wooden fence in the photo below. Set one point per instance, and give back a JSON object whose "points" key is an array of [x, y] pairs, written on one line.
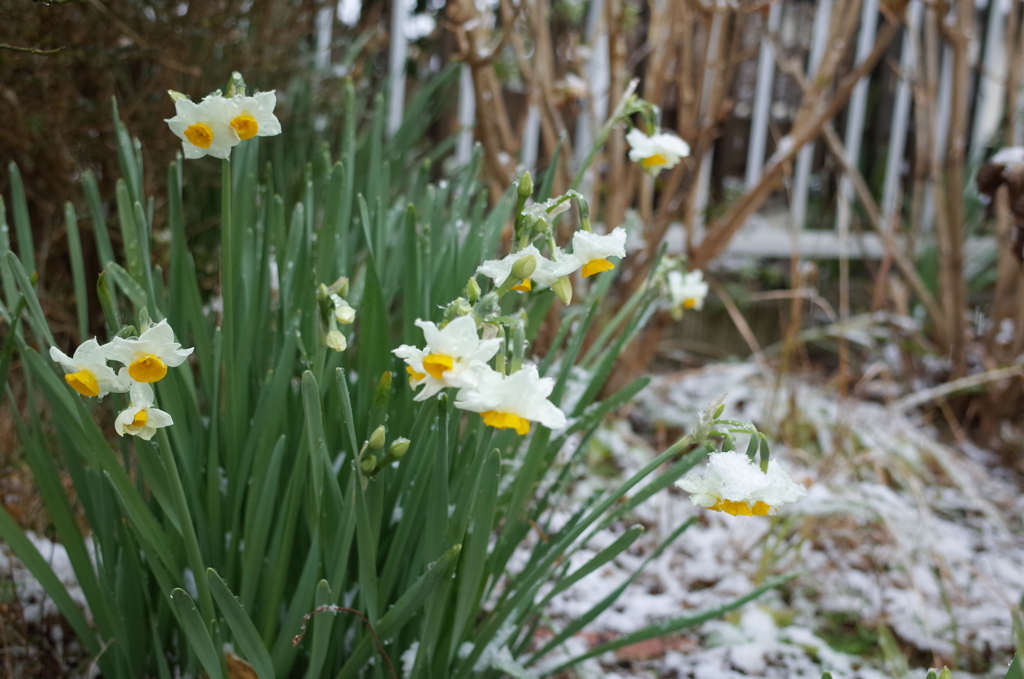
{"points": [[761, 110]]}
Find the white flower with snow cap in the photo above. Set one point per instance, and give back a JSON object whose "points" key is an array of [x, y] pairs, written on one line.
{"points": [[141, 418], [253, 116], [735, 484], [686, 292], [449, 357], [546, 272], [149, 355], [592, 250], [88, 372], [512, 401], [204, 128], [659, 151]]}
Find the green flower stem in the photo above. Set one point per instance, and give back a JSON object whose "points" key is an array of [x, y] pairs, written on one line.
{"points": [[621, 110], [504, 288], [499, 359], [518, 346]]}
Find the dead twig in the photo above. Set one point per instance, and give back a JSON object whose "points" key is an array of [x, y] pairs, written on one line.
{"points": [[743, 327], [943, 390], [30, 50], [330, 608]]}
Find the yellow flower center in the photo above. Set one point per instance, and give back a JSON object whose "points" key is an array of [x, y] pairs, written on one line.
{"points": [[199, 134], [657, 160], [414, 376], [140, 419], [741, 508], [437, 364], [84, 382], [525, 286], [689, 302], [246, 126], [493, 418], [147, 368], [596, 266]]}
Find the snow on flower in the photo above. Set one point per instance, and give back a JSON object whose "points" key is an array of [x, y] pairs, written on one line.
{"points": [[512, 401], [87, 371], [253, 116], [659, 151], [449, 358], [141, 418], [546, 272], [686, 291], [204, 128], [149, 355], [592, 250], [735, 484]]}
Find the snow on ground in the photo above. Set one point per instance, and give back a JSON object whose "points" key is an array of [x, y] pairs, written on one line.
{"points": [[898, 529], [36, 605]]}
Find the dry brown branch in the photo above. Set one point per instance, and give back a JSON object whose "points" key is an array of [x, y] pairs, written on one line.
{"points": [[493, 127], [1014, 42], [817, 112], [860, 187], [618, 194], [950, 222], [542, 92], [1008, 268]]}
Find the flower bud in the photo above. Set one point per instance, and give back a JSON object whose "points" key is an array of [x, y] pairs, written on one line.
{"points": [[236, 86], [524, 267], [340, 287], [336, 340], [377, 438], [584, 212], [473, 290], [322, 293], [563, 288], [525, 187], [344, 313], [175, 96], [369, 463], [399, 447], [584, 206]]}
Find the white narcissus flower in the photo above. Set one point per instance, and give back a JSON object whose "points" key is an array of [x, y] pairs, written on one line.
{"points": [[254, 116], [512, 401], [449, 358], [735, 484], [141, 418], [204, 128], [657, 152], [546, 273], [592, 250], [686, 292], [88, 372], [149, 355]]}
